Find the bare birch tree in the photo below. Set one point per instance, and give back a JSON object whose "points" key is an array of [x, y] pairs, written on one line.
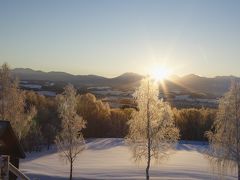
{"points": [[13, 103], [70, 141], [225, 137], [151, 129]]}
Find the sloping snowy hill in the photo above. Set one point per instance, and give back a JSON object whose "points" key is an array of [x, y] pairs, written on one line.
{"points": [[111, 159]]}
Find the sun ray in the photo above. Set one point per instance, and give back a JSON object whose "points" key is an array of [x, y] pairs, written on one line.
{"points": [[159, 73], [162, 76]]}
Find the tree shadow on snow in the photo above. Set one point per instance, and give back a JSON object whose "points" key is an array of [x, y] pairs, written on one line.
{"points": [[198, 146], [108, 143], [35, 155], [104, 143], [139, 174], [93, 144], [45, 177]]}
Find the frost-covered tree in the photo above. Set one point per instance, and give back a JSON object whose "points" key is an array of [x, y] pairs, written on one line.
{"points": [[13, 103], [225, 135], [70, 141], [151, 129]]}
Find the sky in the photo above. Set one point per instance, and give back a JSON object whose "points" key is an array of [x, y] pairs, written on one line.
{"points": [[110, 37]]}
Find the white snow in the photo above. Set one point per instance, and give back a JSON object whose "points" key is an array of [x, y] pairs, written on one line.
{"points": [[111, 159], [31, 86], [183, 97], [47, 93], [101, 88], [215, 101]]}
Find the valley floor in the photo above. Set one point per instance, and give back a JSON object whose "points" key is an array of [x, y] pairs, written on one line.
{"points": [[111, 159]]}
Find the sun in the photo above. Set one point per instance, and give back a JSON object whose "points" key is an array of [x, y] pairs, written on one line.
{"points": [[159, 73]]}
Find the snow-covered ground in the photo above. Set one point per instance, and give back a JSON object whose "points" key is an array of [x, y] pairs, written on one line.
{"points": [[47, 93], [111, 159]]}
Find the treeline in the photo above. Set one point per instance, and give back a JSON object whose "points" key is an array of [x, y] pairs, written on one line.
{"points": [[104, 122], [193, 123]]}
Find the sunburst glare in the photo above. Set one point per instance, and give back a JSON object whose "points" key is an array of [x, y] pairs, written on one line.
{"points": [[159, 73]]}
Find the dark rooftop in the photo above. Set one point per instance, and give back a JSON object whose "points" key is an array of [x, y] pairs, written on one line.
{"points": [[9, 143]]}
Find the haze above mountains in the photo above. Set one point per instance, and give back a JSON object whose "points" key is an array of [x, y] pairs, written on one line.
{"points": [[193, 83]]}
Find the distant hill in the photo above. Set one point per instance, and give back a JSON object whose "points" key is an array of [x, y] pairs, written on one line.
{"points": [[217, 85], [194, 83], [29, 74], [124, 80]]}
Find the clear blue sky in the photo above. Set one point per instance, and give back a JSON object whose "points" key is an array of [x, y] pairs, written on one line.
{"points": [[112, 37]]}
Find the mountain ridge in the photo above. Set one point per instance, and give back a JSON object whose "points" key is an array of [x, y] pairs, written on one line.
{"points": [[214, 85]]}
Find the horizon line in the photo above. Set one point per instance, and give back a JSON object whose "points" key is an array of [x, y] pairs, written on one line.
{"points": [[114, 76]]}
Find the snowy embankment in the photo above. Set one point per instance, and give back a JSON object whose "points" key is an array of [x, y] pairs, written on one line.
{"points": [[111, 159]]}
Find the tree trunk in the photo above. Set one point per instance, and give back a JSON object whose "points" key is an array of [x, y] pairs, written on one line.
{"points": [[71, 168], [148, 151], [48, 144], [148, 139], [148, 166], [238, 170]]}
